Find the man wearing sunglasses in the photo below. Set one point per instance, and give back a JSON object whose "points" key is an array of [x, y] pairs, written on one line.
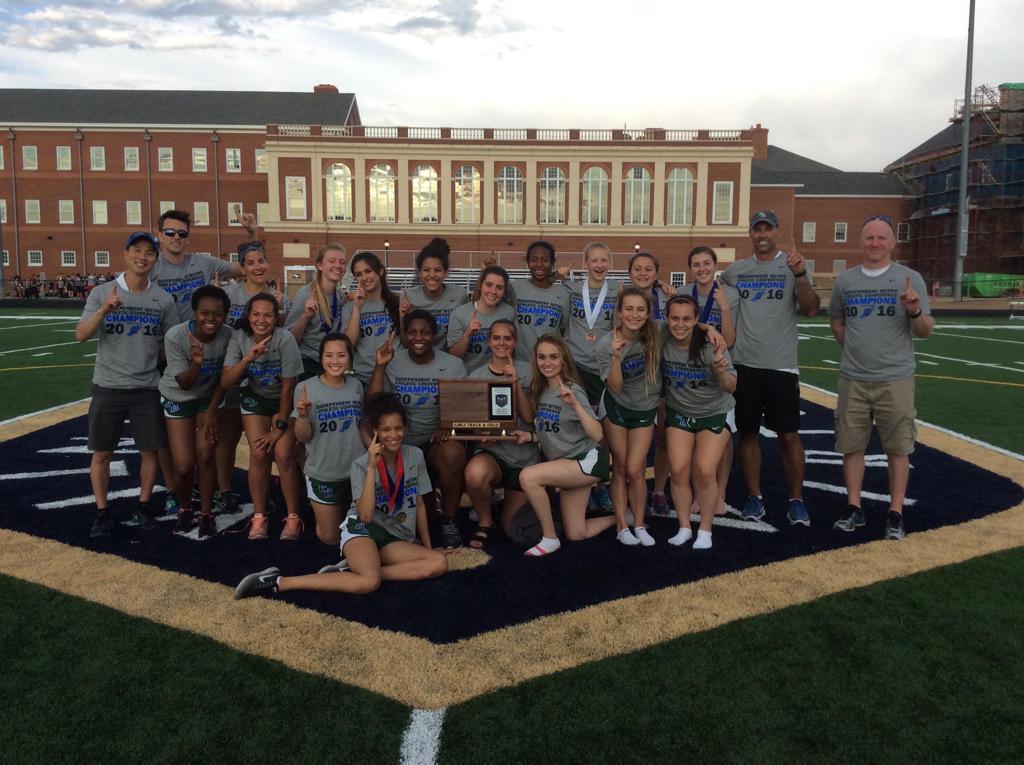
{"points": [[181, 273], [877, 309]]}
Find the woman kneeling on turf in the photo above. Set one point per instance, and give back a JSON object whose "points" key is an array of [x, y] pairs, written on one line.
{"points": [[568, 433], [377, 536]]}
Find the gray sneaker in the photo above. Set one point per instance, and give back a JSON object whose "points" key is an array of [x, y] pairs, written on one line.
{"points": [[335, 568], [894, 526], [854, 519], [261, 583], [451, 537]]}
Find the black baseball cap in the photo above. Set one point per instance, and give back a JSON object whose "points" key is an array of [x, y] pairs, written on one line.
{"points": [[765, 216]]}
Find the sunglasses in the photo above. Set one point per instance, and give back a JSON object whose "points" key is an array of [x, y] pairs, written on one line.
{"points": [[883, 218], [170, 233]]}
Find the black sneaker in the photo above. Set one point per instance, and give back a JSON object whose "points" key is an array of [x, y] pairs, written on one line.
{"points": [[102, 526], [894, 526], [183, 524], [261, 583], [144, 516], [854, 519], [451, 537], [207, 525]]}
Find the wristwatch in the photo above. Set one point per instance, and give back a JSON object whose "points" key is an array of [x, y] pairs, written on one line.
{"points": [[281, 424]]}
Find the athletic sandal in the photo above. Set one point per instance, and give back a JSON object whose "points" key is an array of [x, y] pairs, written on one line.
{"points": [[293, 527], [478, 539]]}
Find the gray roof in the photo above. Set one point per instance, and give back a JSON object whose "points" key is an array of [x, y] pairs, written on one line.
{"points": [[815, 178], [174, 107], [948, 139]]}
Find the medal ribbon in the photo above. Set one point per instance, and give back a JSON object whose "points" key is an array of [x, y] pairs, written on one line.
{"points": [[395, 488], [706, 311], [592, 311]]}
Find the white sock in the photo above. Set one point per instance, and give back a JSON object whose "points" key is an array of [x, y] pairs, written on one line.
{"points": [[682, 536], [626, 537], [658, 493], [543, 547], [703, 541], [645, 539]]}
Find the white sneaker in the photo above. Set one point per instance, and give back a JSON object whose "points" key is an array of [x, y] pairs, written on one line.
{"points": [[334, 568]]}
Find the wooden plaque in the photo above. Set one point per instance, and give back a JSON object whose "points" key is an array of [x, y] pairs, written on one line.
{"points": [[476, 409]]}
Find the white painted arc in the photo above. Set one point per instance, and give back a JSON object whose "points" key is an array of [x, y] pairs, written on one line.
{"points": [[88, 499], [21, 417], [118, 469], [81, 450], [422, 739], [864, 494]]}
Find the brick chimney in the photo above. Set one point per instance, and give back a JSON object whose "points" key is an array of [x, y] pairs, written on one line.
{"points": [[325, 88], [760, 136]]}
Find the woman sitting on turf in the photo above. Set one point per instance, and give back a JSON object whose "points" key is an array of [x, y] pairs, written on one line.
{"points": [[195, 353], [568, 433], [328, 408], [499, 463], [378, 535]]}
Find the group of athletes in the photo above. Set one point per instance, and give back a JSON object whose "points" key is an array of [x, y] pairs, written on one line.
{"points": [[339, 389]]}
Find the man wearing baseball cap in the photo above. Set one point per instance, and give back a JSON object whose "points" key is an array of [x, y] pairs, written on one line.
{"points": [[773, 286], [131, 315]]}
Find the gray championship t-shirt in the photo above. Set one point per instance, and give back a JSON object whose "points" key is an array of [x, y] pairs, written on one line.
{"points": [[584, 351], [239, 299], [638, 392], [766, 336], [318, 325], [558, 426], [263, 376], [692, 388], [178, 350], [478, 353], [181, 281], [129, 339], [416, 387], [511, 453], [878, 344], [732, 297], [400, 522], [374, 326], [539, 311], [441, 309], [334, 419]]}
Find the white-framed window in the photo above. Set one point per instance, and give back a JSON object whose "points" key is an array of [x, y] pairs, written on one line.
{"points": [[233, 160], [262, 212], [165, 159], [3, 210], [233, 257], [31, 210], [552, 195], [97, 158], [424, 194], [594, 197], [338, 188], [199, 160], [1, 157], [7, 258], [235, 211], [201, 214], [810, 232], [131, 159], [809, 266], [101, 258], [680, 197], [840, 232], [99, 212], [262, 165], [381, 180], [721, 210], [638, 197], [467, 194], [29, 158], [68, 258], [63, 159], [35, 258], [295, 196], [133, 212], [165, 205], [510, 194], [66, 211], [902, 232], [838, 266]]}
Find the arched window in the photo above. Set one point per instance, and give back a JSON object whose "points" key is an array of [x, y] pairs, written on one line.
{"points": [[338, 187], [638, 197], [510, 195], [382, 194], [467, 195], [680, 197], [552, 195], [595, 196], [424, 195]]}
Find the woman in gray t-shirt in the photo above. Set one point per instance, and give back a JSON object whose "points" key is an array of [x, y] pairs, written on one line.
{"points": [[467, 330], [568, 433], [370, 317], [432, 294]]}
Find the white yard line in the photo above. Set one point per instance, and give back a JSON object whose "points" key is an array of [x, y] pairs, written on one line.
{"points": [[929, 363], [44, 353], [422, 739], [36, 316], [46, 324], [968, 363], [40, 347], [979, 337]]}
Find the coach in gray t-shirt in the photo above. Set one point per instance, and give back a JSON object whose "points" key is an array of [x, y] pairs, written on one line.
{"points": [[772, 286], [876, 310]]}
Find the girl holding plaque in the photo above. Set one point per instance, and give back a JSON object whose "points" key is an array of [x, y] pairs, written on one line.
{"points": [[378, 536], [370, 317], [630, 359], [469, 324], [568, 433], [317, 306], [432, 294]]}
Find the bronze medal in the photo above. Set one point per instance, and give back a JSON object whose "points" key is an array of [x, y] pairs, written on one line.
{"points": [[591, 336]]}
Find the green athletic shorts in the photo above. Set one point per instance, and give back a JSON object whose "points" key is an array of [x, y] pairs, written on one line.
{"points": [[628, 418], [353, 528], [252, 403], [716, 423], [329, 492], [592, 384], [183, 410], [509, 474], [594, 463]]}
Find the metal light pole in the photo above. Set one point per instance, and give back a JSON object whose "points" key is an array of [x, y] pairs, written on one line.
{"points": [[636, 248], [387, 246], [965, 141]]}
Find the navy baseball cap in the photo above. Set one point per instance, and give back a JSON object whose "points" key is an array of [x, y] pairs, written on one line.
{"points": [[765, 216], [143, 235]]}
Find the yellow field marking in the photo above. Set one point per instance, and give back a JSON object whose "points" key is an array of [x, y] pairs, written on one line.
{"points": [[931, 377], [47, 366]]}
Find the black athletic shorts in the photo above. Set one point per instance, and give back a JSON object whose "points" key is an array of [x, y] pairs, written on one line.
{"points": [[768, 392]]}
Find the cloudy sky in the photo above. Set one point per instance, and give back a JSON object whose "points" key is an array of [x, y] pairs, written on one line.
{"points": [[854, 85]]}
